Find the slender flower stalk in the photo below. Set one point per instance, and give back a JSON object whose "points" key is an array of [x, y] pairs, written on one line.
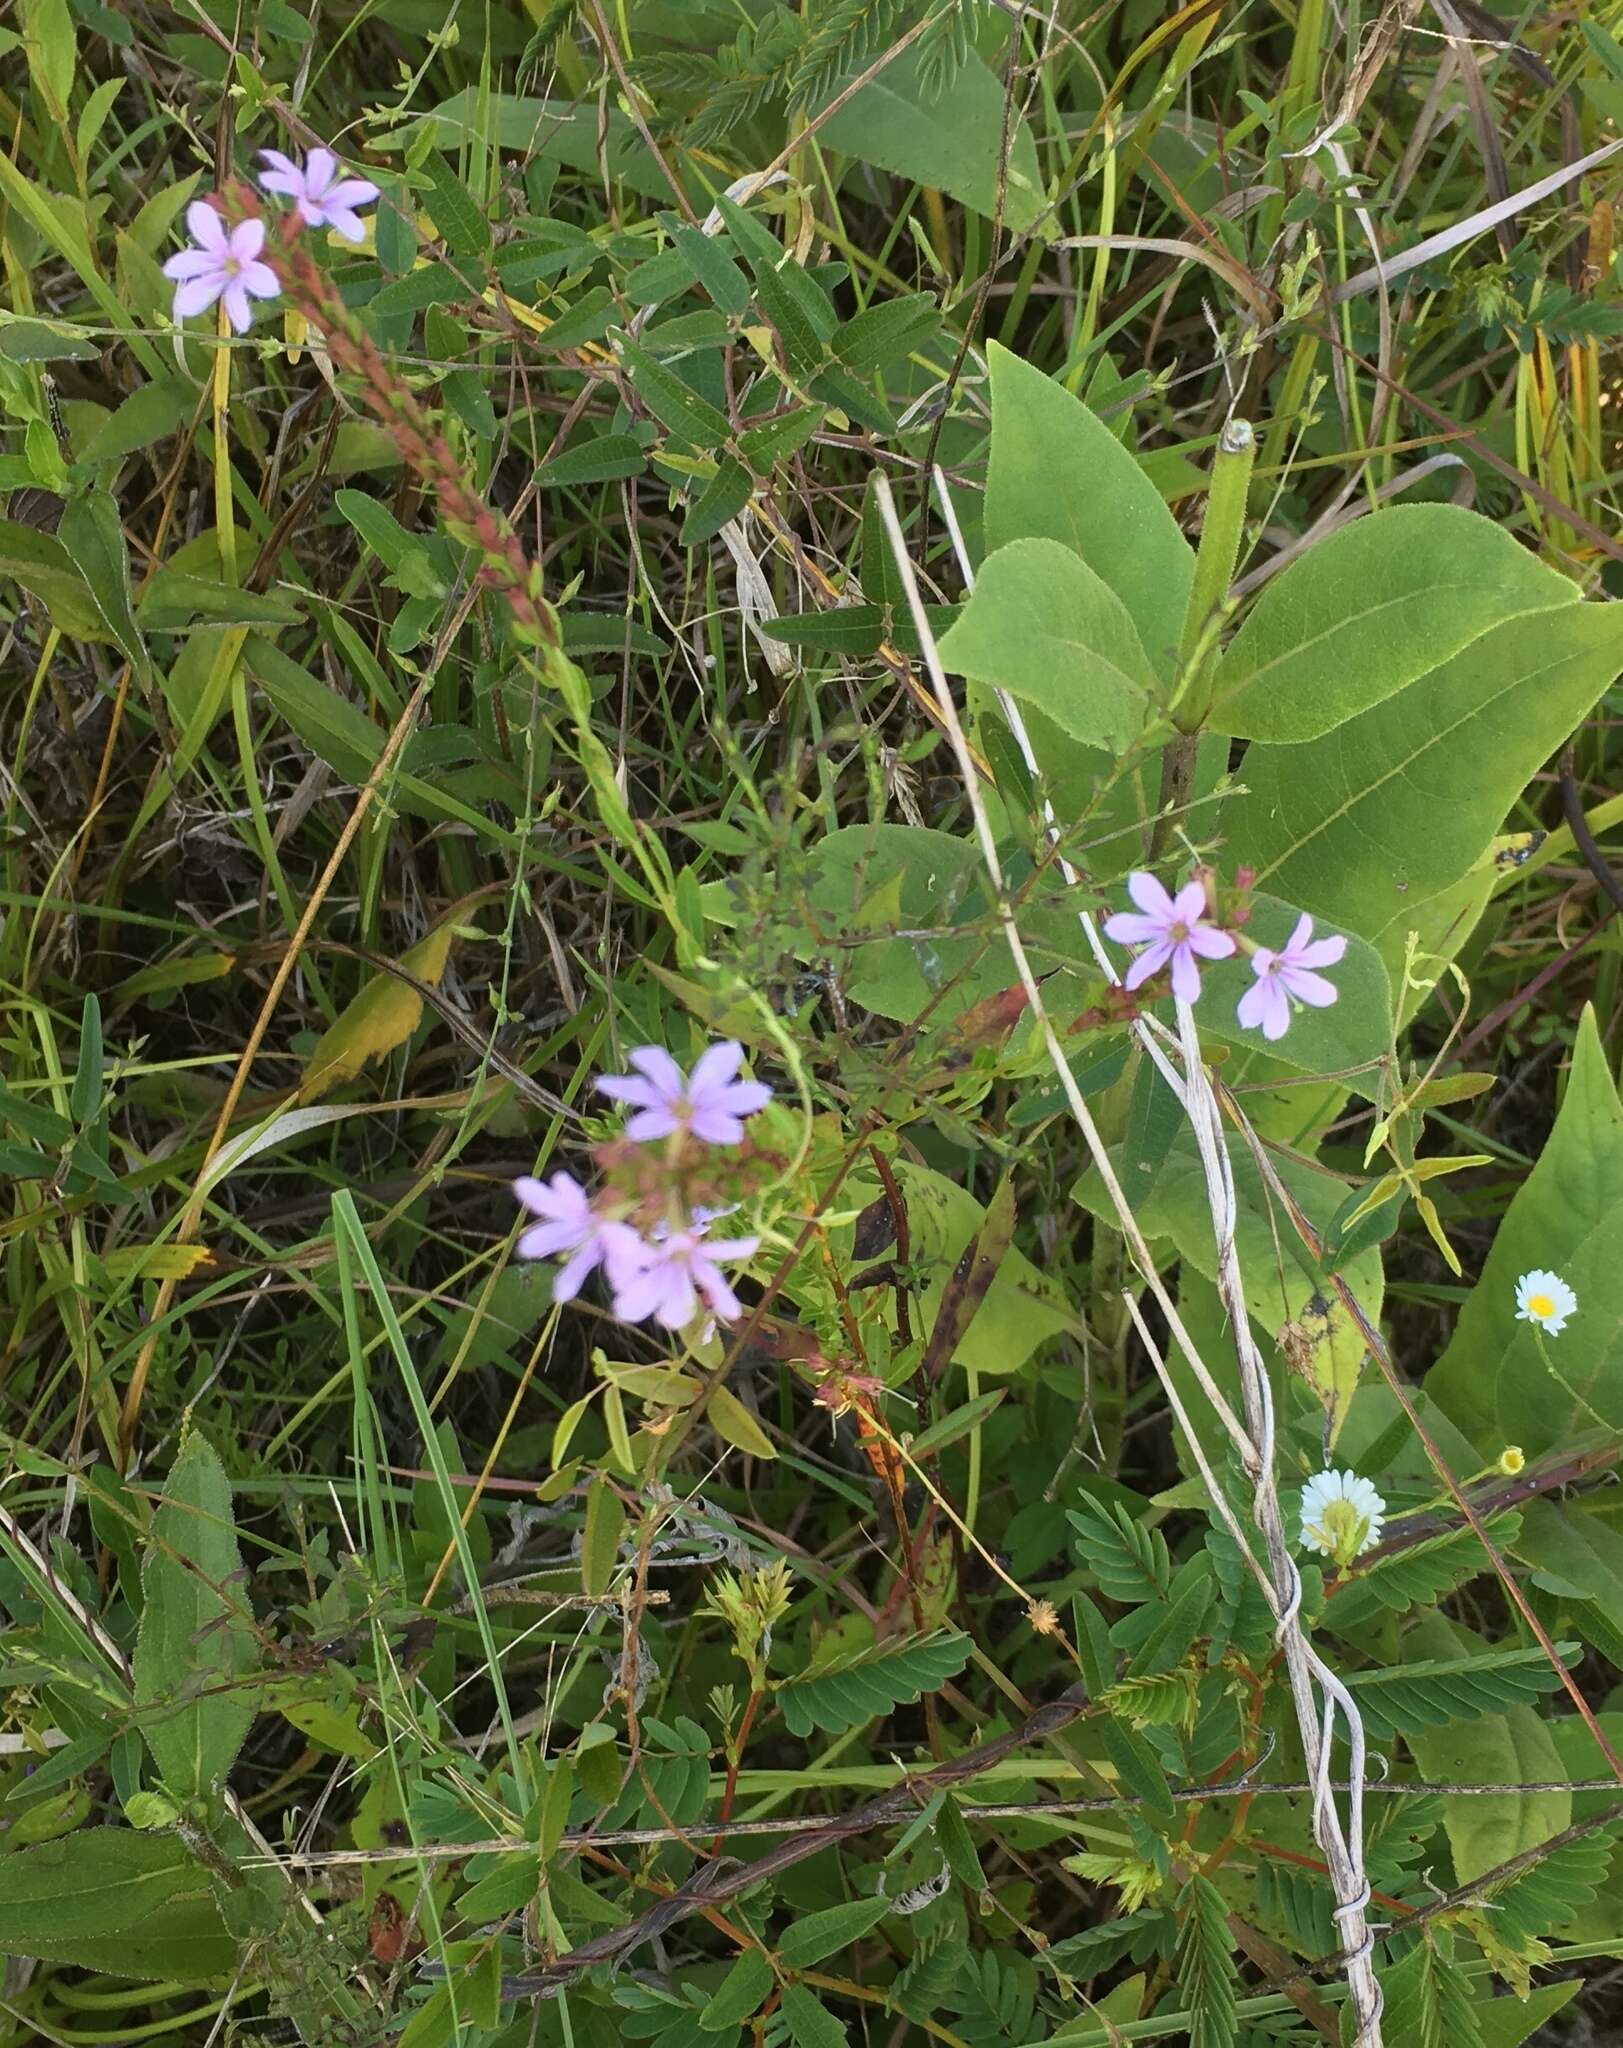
{"points": [[504, 566]]}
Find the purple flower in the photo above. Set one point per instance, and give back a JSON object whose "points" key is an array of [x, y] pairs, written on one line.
{"points": [[322, 198], [1168, 928], [710, 1105], [223, 266], [570, 1224], [668, 1279], [1289, 973]]}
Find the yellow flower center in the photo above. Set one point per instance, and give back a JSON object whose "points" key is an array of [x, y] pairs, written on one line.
{"points": [[1540, 1305]]}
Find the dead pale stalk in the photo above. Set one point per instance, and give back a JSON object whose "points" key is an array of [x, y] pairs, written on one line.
{"points": [[1340, 1842]]}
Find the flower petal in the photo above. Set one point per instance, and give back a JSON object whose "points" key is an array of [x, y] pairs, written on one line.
{"points": [[280, 162], [572, 1275], [1128, 928], [631, 1088], [260, 280], [192, 263], [712, 1284], [320, 168], [546, 1240], [1189, 905], [649, 1125], [1150, 961], [1185, 974], [1151, 898], [239, 310], [661, 1069], [714, 1068], [1322, 953], [731, 1249], [351, 192], [1209, 943], [197, 294], [1308, 987], [347, 226], [1264, 1008], [204, 225], [712, 1126], [246, 240]]}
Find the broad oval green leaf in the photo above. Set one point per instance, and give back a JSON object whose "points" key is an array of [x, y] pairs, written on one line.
{"points": [[1058, 473], [1366, 612], [113, 1899], [1513, 1749], [1045, 627], [952, 140], [45, 569], [1564, 1219], [1373, 825]]}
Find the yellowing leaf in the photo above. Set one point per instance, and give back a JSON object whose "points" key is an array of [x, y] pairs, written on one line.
{"points": [[385, 1014], [734, 1421], [157, 1261]]}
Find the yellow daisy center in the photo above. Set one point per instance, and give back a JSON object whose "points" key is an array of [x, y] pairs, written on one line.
{"points": [[1540, 1305]]}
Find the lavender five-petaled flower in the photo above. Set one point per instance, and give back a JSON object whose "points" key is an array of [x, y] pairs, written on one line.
{"points": [[322, 198], [669, 1279], [223, 266], [710, 1105], [1168, 928], [570, 1224], [1288, 973]]}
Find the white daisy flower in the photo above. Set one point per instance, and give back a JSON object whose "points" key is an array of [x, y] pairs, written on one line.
{"points": [[1545, 1299], [1341, 1515]]}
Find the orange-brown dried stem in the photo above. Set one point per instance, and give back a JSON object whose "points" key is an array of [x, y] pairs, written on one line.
{"points": [[503, 566]]}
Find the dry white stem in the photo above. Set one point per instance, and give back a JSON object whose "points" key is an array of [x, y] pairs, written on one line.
{"points": [[1127, 1221], [1341, 1844]]}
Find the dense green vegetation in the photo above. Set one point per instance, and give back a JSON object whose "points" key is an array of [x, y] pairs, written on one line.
{"points": [[1046, 574]]}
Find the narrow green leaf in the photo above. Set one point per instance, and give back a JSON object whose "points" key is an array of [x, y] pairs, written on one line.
{"points": [[196, 1641], [817, 1935], [881, 333], [674, 404], [956, 1425], [958, 1846], [93, 534], [810, 2024], [739, 1994], [149, 414], [462, 227], [599, 460], [711, 266], [723, 498], [600, 1539]]}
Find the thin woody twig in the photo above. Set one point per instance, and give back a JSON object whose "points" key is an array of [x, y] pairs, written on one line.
{"points": [[972, 1810]]}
